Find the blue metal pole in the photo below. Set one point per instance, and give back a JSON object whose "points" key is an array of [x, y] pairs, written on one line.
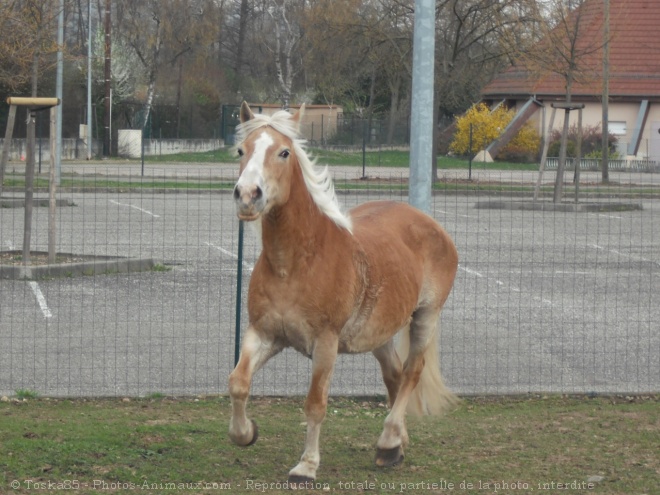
{"points": [[421, 122]]}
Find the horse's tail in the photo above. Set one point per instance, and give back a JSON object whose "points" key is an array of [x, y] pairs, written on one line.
{"points": [[431, 396]]}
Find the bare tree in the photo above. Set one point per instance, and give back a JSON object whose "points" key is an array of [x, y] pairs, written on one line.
{"points": [[243, 19], [27, 41], [287, 34], [476, 38], [161, 33], [564, 50]]}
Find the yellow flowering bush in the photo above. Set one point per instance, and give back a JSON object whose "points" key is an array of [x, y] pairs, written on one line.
{"points": [[487, 126]]}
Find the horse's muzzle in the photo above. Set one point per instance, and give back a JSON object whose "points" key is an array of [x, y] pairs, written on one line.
{"points": [[249, 201]]}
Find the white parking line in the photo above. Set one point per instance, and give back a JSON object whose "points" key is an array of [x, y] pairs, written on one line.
{"points": [[135, 208], [41, 299], [246, 265], [470, 271], [477, 274], [619, 253], [606, 216], [455, 214]]}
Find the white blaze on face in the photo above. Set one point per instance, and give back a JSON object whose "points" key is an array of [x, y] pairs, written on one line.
{"points": [[253, 172]]}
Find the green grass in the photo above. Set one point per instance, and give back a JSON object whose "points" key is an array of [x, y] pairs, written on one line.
{"points": [[223, 155], [377, 158], [592, 190], [20, 182], [23, 393], [529, 441], [450, 162]]}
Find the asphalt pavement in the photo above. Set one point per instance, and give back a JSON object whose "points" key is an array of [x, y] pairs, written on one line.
{"points": [[543, 302]]}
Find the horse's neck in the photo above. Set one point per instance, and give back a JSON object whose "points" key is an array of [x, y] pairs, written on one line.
{"points": [[292, 233]]}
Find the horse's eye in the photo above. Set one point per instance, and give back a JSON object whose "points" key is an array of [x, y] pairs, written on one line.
{"points": [[239, 151], [284, 153]]}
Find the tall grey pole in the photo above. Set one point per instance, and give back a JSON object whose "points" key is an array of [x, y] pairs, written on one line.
{"points": [[58, 93], [421, 123], [606, 94], [89, 80], [108, 80]]}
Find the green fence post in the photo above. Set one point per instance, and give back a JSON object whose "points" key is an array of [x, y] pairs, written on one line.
{"points": [[239, 291]]}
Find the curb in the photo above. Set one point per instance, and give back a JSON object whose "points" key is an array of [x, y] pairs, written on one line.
{"points": [[93, 265], [564, 207], [20, 203]]}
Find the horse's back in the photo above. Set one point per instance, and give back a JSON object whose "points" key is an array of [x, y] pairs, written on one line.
{"points": [[379, 224]]}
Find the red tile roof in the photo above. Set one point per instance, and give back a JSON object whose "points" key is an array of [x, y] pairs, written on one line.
{"points": [[634, 57]]}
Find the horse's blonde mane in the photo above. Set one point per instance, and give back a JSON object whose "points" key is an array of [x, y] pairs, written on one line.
{"points": [[318, 180]]}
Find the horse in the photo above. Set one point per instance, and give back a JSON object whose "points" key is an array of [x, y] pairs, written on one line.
{"points": [[329, 282]]}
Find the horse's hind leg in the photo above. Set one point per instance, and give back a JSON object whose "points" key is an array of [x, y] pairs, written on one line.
{"points": [[323, 362], [390, 366], [390, 444], [255, 351]]}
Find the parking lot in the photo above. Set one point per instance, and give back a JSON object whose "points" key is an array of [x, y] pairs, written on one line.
{"points": [[543, 302]]}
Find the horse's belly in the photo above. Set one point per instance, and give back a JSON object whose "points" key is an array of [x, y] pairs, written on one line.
{"points": [[368, 332]]}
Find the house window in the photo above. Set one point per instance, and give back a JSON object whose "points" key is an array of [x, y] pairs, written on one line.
{"points": [[617, 128]]}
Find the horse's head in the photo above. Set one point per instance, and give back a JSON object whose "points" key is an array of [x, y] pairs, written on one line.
{"points": [[267, 161]]}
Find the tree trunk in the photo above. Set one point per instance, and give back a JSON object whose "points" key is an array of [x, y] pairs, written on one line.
{"points": [[52, 190], [7, 143], [242, 27], [559, 181], [153, 72], [544, 154], [29, 166], [395, 87], [178, 100], [370, 108], [284, 52], [606, 95]]}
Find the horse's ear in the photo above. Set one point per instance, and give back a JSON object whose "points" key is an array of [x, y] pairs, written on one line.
{"points": [[297, 117], [246, 113]]}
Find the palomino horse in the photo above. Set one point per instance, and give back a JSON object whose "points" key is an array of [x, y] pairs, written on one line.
{"points": [[328, 282]]}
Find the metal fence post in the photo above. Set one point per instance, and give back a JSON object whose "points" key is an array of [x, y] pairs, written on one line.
{"points": [[239, 291]]}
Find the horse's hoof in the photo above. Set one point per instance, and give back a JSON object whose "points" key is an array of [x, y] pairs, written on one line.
{"points": [[297, 482], [389, 457], [241, 441], [255, 434]]}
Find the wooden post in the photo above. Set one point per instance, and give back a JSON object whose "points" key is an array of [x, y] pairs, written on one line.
{"points": [[29, 186], [9, 132], [52, 187], [559, 180], [34, 104], [578, 158], [544, 155]]}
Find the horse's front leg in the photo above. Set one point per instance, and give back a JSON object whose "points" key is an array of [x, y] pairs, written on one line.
{"points": [[255, 351], [323, 362]]}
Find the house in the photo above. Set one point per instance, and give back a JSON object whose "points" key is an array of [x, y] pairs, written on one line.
{"points": [[634, 82], [319, 122]]}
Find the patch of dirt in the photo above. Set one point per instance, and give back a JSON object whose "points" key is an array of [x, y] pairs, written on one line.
{"points": [[36, 259]]}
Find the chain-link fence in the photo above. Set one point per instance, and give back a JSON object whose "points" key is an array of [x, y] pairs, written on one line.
{"points": [[354, 132], [547, 299]]}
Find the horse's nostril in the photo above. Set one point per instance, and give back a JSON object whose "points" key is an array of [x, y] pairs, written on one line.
{"points": [[237, 194], [257, 193]]}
